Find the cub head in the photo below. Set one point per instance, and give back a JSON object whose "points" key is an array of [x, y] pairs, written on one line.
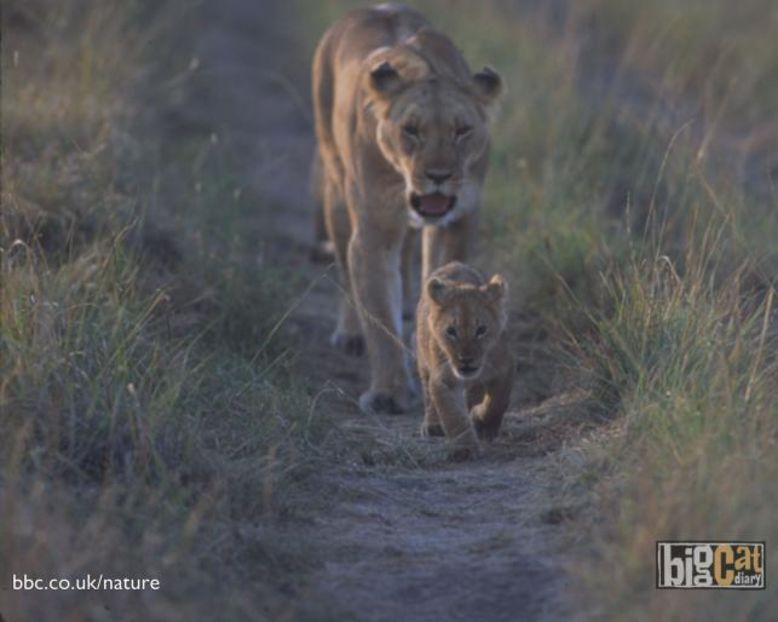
{"points": [[432, 127], [466, 321]]}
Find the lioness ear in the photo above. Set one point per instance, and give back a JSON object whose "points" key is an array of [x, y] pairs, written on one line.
{"points": [[496, 289], [384, 79], [488, 85], [437, 289]]}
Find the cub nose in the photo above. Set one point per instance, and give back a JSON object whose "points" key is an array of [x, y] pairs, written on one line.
{"points": [[466, 361], [438, 176]]}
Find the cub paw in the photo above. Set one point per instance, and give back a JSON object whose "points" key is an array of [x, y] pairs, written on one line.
{"points": [[381, 403], [463, 447], [432, 429], [487, 430], [462, 453], [351, 345]]}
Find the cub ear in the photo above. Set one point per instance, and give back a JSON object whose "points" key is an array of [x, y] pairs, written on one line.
{"points": [[496, 289], [488, 85], [438, 289], [384, 79]]}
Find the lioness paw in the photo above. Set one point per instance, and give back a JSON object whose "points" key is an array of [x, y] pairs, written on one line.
{"points": [[351, 345], [322, 252]]}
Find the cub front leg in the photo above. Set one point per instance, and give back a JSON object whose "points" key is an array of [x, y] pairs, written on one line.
{"points": [[450, 403], [374, 266], [487, 416], [431, 426]]}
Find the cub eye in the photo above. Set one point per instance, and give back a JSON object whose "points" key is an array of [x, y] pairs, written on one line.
{"points": [[451, 332], [462, 131], [480, 331], [411, 131]]}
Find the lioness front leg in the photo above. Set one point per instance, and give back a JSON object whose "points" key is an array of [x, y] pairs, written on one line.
{"points": [[451, 405], [375, 277], [487, 416], [410, 258], [348, 331], [454, 242]]}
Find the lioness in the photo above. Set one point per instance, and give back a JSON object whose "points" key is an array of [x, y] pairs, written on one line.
{"points": [[463, 356], [401, 125]]}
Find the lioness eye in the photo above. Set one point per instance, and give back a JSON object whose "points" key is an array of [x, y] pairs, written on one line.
{"points": [[463, 130], [411, 130], [480, 331], [451, 332]]}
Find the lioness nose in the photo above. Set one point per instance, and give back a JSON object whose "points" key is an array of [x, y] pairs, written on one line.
{"points": [[466, 361], [438, 176]]}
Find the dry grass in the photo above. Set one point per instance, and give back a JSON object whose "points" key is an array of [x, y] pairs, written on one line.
{"points": [[145, 398], [143, 405], [632, 203]]}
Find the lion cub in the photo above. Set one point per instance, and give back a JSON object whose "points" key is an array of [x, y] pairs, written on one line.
{"points": [[463, 356]]}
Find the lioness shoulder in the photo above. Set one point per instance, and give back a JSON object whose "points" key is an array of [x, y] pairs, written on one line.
{"points": [[463, 356]]}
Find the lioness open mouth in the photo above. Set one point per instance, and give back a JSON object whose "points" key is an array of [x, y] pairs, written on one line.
{"points": [[432, 205]]}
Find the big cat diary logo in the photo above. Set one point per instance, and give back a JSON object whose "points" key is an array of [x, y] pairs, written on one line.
{"points": [[712, 565]]}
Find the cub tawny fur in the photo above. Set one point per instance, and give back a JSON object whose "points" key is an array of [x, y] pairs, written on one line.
{"points": [[403, 142], [463, 356]]}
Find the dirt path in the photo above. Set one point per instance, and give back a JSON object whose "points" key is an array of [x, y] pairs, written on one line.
{"points": [[399, 532], [441, 543]]}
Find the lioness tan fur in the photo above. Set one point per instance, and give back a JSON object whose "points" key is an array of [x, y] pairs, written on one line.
{"points": [[463, 356], [401, 126]]}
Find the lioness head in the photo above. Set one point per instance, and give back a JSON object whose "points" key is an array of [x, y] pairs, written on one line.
{"points": [[432, 128], [466, 321]]}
